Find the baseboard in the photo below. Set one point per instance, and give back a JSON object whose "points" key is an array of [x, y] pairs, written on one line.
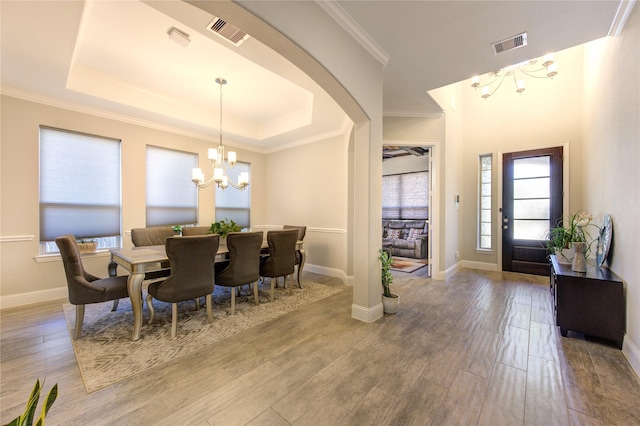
{"points": [[632, 353], [449, 272], [323, 270], [367, 314], [32, 297], [484, 266]]}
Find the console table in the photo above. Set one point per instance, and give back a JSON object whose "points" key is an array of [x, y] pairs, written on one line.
{"points": [[589, 302]]}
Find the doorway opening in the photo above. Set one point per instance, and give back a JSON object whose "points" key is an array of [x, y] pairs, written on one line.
{"points": [[406, 198]]}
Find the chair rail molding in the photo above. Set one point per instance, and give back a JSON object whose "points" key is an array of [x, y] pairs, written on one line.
{"points": [[16, 238]]}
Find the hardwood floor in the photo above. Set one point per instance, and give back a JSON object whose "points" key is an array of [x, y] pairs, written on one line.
{"points": [[480, 348]]}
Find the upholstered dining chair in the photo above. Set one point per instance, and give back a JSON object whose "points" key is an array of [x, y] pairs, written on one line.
{"points": [[281, 261], [302, 231], [153, 236], [83, 287], [192, 274], [188, 231], [243, 264]]}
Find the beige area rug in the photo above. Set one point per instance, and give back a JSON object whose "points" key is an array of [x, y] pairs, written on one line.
{"points": [[407, 264], [106, 354]]}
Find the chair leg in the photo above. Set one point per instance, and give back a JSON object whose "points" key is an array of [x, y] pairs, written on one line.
{"points": [[233, 301], [207, 299], [79, 320], [174, 319], [197, 303], [255, 293], [152, 313], [272, 286], [115, 305]]}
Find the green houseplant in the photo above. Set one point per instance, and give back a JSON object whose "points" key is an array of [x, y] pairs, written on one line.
{"points": [[390, 301], [223, 227], [576, 229], [26, 419]]}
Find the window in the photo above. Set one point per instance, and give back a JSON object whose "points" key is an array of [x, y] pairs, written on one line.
{"points": [[233, 204], [172, 198], [484, 207], [405, 196], [79, 188], [531, 197]]}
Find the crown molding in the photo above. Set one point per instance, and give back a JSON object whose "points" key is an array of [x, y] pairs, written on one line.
{"points": [[346, 126], [412, 114], [620, 19], [351, 26]]}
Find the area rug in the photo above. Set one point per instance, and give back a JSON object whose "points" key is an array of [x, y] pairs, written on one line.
{"points": [[405, 264], [106, 354]]}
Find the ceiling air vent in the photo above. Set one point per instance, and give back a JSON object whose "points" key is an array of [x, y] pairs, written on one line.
{"points": [[227, 31], [510, 43]]}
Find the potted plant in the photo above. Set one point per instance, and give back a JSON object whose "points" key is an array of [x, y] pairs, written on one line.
{"points": [[223, 227], [390, 301], [87, 245], [177, 229], [27, 418], [559, 239]]}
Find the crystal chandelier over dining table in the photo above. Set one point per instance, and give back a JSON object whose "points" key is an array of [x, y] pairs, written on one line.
{"points": [[218, 162]]}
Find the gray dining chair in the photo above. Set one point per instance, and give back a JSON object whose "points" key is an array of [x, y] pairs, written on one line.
{"points": [[302, 231], [243, 264], [153, 236], [85, 288], [188, 231], [281, 260], [192, 274]]}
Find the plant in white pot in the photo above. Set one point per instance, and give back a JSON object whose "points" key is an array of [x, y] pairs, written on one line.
{"points": [[87, 245], [390, 301]]}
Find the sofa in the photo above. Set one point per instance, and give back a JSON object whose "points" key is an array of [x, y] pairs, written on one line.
{"points": [[406, 238]]}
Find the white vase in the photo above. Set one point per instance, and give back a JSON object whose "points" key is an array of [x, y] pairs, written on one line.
{"points": [[390, 304]]}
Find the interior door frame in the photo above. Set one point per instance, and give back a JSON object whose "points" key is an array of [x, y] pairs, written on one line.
{"points": [[565, 189], [433, 242]]}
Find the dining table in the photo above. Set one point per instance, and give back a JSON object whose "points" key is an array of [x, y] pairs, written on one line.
{"points": [[140, 260]]}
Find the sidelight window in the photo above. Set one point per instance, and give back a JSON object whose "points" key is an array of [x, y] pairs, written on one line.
{"points": [[484, 206]]}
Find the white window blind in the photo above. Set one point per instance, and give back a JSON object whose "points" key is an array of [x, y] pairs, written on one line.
{"points": [[172, 198], [79, 185], [233, 204], [405, 196], [484, 207]]}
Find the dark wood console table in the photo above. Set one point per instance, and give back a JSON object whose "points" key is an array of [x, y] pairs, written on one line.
{"points": [[589, 302]]}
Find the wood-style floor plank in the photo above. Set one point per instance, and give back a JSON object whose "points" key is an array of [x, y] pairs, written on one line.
{"points": [[478, 348]]}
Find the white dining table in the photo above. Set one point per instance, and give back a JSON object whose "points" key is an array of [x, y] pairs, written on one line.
{"points": [[140, 260]]}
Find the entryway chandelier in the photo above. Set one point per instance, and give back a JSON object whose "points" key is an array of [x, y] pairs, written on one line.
{"points": [[218, 162], [548, 69]]}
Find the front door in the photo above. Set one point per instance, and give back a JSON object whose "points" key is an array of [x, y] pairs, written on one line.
{"points": [[531, 204]]}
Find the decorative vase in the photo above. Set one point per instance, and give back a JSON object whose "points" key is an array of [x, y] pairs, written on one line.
{"points": [[579, 263], [390, 304]]}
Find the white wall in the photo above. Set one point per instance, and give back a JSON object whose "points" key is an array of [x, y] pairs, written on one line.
{"points": [[20, 273], [308, 185], [611, 164]]}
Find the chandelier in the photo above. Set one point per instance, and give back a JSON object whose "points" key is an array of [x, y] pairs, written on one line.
{"points": [[218, 162], [548, 69]]}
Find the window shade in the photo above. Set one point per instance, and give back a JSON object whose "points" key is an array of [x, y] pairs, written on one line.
{"points": [[172, 198], [232, 204], [79, 185], [405, 196]]}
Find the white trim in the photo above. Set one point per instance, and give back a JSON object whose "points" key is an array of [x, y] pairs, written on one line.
{"points": [[484, 266], [411, 114], [620, 19], [55, 257], [451, 271], [32, 297], [349, 281], [336, 11], [323, 270], [16, 238], [632, 353], [346, 126], [367, 314]]}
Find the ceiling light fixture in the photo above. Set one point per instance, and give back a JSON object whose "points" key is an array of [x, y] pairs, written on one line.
{"points": [[548, 69], [180, 37], [218, 163]]}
